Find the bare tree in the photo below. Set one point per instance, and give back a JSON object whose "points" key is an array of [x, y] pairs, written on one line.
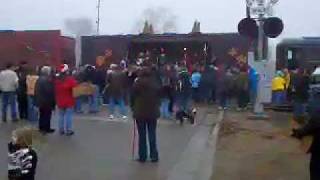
{"points": [[163, 20]]}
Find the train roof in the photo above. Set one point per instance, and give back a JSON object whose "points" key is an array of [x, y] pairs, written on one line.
{"points": [[305, 41], [168, 37]]}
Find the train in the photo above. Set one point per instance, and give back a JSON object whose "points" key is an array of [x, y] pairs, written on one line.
{"points": [[37, 48]]}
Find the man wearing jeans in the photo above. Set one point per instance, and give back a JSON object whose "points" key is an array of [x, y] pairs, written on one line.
{"points": [[117, 81], [145, 104], [8, 86]]}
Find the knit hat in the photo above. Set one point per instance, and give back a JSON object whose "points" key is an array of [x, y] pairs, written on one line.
{"points": [[113, 66], [63, 68], [279, 74]]}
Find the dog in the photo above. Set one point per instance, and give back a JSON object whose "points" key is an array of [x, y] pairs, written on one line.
{"points": [[189, 115]]}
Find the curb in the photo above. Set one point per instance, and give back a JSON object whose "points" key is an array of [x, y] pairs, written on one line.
{"points": [[197, 161]]}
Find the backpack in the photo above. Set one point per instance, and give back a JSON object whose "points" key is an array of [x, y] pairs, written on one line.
{"points": [[183, 83]]}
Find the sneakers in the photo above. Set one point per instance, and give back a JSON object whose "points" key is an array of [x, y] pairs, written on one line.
{"points": [[124, 117], [50, 131], [69, 133], [111, 116], [220, 108]]}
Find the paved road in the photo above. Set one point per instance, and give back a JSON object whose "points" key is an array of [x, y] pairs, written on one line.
{"points": [[101, 150]]}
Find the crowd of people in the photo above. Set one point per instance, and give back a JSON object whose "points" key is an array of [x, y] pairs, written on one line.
{"points": [[296, 87], [150, 91], [167, 90]]}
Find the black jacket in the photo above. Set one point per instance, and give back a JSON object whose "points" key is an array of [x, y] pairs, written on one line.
{"points": [[45, 92], [301, 88], [312, 128], [145, 100], [208, 78], [22, 87], [22, 163], [117, 83]]}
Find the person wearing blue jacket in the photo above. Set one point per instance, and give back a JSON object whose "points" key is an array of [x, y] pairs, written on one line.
{"points": [[253, 84], [195, 83]]}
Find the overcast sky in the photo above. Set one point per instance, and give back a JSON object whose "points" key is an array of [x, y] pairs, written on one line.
{"points": [[121, 16]]}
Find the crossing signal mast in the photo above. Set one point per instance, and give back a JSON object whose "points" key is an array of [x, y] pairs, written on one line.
{"points": [[258, 24]]}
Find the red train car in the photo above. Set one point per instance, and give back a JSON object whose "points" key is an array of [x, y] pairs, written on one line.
{"points": [[229, 48], [35, 47]]}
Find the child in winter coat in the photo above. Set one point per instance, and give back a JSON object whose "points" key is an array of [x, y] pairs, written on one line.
{"points": [[22, 158]]}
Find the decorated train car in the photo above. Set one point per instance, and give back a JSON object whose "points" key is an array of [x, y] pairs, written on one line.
{"points": [[228, 48]]}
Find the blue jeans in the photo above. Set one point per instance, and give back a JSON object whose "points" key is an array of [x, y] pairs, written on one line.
{"points": [[9, 98], [183, 102], [278, 97], [149, 125], [299, 109], [117, 101], [65, 119], [253, 96], [94, 100], [32, 110], [222, 99], [78, 106], [206, 93], [164, 108]]}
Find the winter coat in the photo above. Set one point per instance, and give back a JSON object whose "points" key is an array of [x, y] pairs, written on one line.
{"points": [[9, 81], [44, 92], [195, 79], [242, 82], [22, 163], [300, 88], [253, 80], [183, 85], [312, 128], [208, 78], [31, 84], [278, 84], [116, 84], [64, 91], [167, 79], [22, 87], [145, 100], [225, 83], [314, 103]]}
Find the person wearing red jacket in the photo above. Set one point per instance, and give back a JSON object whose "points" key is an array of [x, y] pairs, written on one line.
{"points": [[64, 85]]}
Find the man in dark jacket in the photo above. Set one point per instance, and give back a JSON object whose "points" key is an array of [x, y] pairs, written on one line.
{"points": [[45, 99], [207, 84], [312, 129], [22, 91], [145, 104], [300, 92], [116, 87], [242, 87], [183, 91]]}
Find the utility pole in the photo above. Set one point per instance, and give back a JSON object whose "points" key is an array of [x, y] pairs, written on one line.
{"points": [[98, 17]]}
